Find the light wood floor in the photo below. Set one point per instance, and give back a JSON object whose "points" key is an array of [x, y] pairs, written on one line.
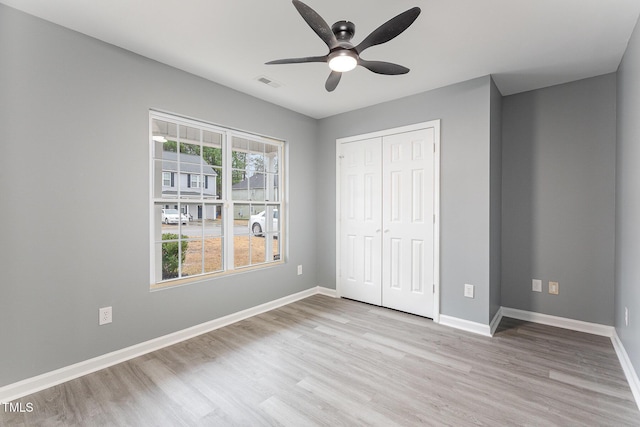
{"points": [[333, 362]]}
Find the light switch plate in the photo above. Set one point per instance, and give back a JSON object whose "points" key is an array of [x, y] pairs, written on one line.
{"points": [[468, 290], [554, 289], [536, 285]]}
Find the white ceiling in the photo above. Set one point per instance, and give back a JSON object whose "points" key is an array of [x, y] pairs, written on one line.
{"points": [[524, 44]]}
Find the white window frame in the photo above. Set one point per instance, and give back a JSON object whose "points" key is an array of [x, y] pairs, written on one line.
{"points": [[227, 203]]}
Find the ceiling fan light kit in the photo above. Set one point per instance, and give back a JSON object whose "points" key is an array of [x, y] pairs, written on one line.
{"points": [[343, 56], [342, 60]]}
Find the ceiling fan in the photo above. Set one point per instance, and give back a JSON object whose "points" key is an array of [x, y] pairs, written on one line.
{"points": [[343, 56]]}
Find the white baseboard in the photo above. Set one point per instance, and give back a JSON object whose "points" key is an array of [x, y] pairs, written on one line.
{"points": [[495, 321], [627, 367], [465, 325], [32, 385], [328, 292], [560, 322]]}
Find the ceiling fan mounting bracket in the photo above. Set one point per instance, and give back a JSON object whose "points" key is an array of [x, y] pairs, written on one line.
{"points": [[344, 30]]}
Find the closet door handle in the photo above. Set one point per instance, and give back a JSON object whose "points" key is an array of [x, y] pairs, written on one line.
{"points": [[386, 231], [378, 230]]}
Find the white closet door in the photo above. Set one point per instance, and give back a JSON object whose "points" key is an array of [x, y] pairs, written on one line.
{"points": [[408, 222], [361, 221]]}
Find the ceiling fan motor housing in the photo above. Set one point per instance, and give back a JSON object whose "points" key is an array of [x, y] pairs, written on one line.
{"points": [[344, 30]]}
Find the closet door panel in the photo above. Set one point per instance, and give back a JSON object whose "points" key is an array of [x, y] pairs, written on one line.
{"points": [[360, 221], [407, 221]]}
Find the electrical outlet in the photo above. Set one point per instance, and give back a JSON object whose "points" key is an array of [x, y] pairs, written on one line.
{"points": [[554, 288], [468, 290], [626, 316], [536, 285], [104, 315], [299, 270]]}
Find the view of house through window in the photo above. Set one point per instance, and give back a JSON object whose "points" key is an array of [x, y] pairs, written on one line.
{"points": [[216, 199]]}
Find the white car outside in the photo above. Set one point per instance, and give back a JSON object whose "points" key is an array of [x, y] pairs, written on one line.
{"points": [[256, 222], [172, 216]]}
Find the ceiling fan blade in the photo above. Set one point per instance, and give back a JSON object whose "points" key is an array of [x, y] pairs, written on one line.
{"points": [[316, 23], [298, 60], [332, 81], [380, 67], [390, 29]]}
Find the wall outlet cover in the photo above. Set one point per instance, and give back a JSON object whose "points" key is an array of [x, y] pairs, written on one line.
{"points": [[104, 315], [536, 285], [554, 289]]}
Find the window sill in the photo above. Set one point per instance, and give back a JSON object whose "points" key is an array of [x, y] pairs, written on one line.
{"points": [[172, 283]]}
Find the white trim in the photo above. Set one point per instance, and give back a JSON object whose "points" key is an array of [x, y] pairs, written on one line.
{"points": [[474, 327], [495, 321], [327, 292], [465, 325], [559, 322], [436, 223], [49, 379], [392, 131], [435, 124], [627, 367]]}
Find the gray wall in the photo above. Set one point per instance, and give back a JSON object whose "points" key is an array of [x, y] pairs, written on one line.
{"points": [[464, 257], [495, 230], [75, 111], [558, 199], [627, 270]]}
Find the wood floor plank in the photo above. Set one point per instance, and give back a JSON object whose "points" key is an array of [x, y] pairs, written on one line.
{"points": [[335, 362]]}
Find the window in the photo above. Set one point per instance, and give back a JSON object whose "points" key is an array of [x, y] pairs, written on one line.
{"points": [[196, 181], [224, 188], [167, 179]]}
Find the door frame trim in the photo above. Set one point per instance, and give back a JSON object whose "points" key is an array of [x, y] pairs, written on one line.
{"points": [[435, 124]]}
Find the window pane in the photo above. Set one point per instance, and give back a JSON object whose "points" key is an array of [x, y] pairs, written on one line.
{"points": [[189, 135], [212, 147], [241, 250], [161, 130], [212, 168], [240, 188], [257, 187], [240, 147], [190, 153], [212, 221], [213, 253], [272, 184], [192, 263], [257, 250], [275, 245], [255, 161], [271, 157], [241, 238], [173, 255], [212, 183], [272, 212]]}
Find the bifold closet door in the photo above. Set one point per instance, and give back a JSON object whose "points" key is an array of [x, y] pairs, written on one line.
{"points": [[386, 225], [361, 221], [408, 221]]}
